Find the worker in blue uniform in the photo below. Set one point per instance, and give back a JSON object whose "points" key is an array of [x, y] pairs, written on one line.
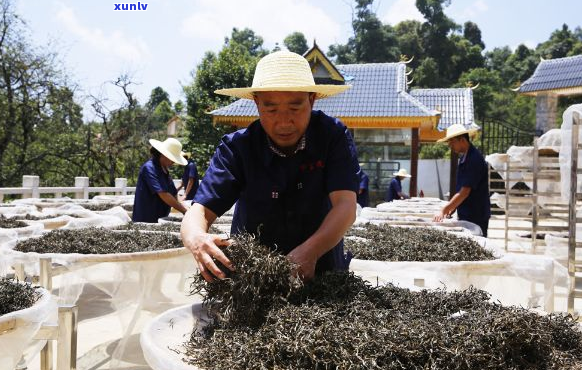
{"points": [[292, 174], [190, 180], [155, 193], [395, 188], [363, 191], [471, 199]]}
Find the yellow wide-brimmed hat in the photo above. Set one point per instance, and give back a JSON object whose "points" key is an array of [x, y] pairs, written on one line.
{"points": [[284, 71], [457, 130], [171, 149], [402, 173]]}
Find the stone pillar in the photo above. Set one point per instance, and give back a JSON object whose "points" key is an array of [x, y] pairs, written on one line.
{"points": [[83, 183], [32, 182], [546, 112], [121, 182]]}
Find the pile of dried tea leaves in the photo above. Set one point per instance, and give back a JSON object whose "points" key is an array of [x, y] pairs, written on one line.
{"points": [[15, 296], [389, 243], [171, 227], [263, 319], [98, 206], [165, 227], [10, 223], [172, 219], [98, 241]]}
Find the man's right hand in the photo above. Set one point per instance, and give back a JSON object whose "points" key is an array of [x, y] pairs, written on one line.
{"points": [[206, 249]]}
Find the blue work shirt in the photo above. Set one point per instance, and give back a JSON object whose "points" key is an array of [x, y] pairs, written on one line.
{"points": [[147, 204], [282, 200], [190, 172], [393, 190], [472, 173], [363, 197]]}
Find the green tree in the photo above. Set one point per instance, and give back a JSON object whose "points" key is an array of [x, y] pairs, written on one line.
{"points": [[38, 114], [373, 42], [233, 66], [157, 96], [296, 43], [473, 34], [163, 113], [410, 41], [178, 107], [436, 42], [248, 39], [560, 44]]}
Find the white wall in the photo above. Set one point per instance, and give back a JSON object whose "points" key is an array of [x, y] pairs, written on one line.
{"points": [[431, 173]]}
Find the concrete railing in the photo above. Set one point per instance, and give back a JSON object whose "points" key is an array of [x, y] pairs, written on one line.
{"points": [[31, 189]]}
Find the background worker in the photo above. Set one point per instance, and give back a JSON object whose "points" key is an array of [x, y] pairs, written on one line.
{"points": [[395, 187], [292, 174], [190, 180], [155, 193], [363, 194], [471, 199]]}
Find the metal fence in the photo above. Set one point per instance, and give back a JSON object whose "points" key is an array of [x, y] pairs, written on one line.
{"points": [[498, 136]]}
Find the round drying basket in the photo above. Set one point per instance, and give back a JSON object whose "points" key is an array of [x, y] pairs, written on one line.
{"points": [[526, 280], [134, 282], [18, 328], [163, 338]]}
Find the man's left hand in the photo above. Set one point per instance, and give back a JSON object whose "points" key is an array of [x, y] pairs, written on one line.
{"points": [[305, 262]]}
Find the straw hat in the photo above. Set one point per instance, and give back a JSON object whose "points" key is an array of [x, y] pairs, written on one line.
{"points": [[402, 173], [283, 71], [171, 149], [457, 130]]}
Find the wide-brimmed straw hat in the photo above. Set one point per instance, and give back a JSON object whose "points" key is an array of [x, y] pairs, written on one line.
{"points": [[283, 71], [457, 130], [401, 173], [171, 149]]}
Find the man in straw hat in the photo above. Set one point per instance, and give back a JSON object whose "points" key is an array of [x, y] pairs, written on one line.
{"points": [[395, 187], [292, 174], [155, 192], [471, 199]]}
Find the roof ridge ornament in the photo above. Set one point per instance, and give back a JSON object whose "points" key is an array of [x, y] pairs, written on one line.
{"points": [[470, 85], [403, 59]]}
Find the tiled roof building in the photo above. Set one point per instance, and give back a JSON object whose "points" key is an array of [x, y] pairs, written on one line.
{"points": [[562, 76], [551, 79], [379, 106]]}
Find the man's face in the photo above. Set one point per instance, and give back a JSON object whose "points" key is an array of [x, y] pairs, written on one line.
{"points": [[165, 161], [456, 144], [284, 115]]}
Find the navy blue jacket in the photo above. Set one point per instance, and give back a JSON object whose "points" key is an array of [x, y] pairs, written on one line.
{"points": [[190, 172], [472, 173], [282, 200], [147, 204]]}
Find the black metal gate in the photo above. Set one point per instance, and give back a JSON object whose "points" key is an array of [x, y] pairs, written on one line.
{"points": [[498, 136]]}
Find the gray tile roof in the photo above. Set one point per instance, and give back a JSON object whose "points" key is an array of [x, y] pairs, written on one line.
{"points": [[555, 74], [456, 105], [378, 90]]}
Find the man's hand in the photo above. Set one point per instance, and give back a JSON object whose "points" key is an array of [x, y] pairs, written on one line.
{"points": [[305, 262], [206, 249], [439, 217]]}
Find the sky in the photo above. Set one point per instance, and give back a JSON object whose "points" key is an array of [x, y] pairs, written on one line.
{"points": [[163, 44]]}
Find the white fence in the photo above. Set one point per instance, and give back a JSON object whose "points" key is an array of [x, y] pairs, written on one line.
{"points": [[31, 189]]}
